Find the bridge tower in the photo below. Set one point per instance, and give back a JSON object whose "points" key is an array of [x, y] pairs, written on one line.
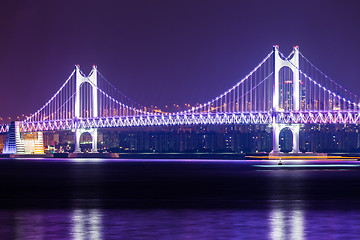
{"points": [[293, 65], [79, 81]]}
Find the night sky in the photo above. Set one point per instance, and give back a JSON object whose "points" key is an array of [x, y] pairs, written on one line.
{"points": [[165, 52]]}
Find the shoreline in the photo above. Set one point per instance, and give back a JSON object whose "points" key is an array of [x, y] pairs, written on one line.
{"points": [[220, 156]]}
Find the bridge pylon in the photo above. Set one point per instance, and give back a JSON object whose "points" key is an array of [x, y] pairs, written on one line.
{"points": [[79, 81], [293, 65]]}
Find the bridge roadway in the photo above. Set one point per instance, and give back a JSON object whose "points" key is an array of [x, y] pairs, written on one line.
{"points": [[300, 117]]}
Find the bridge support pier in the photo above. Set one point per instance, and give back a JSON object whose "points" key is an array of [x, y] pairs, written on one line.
{"points": [[94, 135], [294, 128]]}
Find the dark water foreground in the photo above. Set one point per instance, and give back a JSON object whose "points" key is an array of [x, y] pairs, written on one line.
{"points": [[178, 199]]}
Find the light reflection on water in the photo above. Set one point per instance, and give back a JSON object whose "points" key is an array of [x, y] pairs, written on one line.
{"points": [[280, 220], [86, 224], [286, 224], [96, 197]]}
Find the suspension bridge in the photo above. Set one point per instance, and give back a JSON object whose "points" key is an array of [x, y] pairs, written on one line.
{"points": [[281, 91]]}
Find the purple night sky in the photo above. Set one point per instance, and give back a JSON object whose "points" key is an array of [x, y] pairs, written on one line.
{"points": [[166, 52]]}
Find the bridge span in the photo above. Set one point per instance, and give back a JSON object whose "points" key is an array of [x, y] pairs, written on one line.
{"points": [[281, 91]]}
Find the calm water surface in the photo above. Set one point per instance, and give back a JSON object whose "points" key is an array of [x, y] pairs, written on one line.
{"points": [[178, 199]]}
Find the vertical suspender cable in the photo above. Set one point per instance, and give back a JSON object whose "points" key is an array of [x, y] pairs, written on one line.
{"points": [[251, 102]]}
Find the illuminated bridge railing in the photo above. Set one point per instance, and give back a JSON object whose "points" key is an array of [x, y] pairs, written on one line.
{"points": [[318, 117], [329, 117], [152, 120]]}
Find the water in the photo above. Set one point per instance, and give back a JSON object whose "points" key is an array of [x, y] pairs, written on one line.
{"points": [[178, 199]]}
